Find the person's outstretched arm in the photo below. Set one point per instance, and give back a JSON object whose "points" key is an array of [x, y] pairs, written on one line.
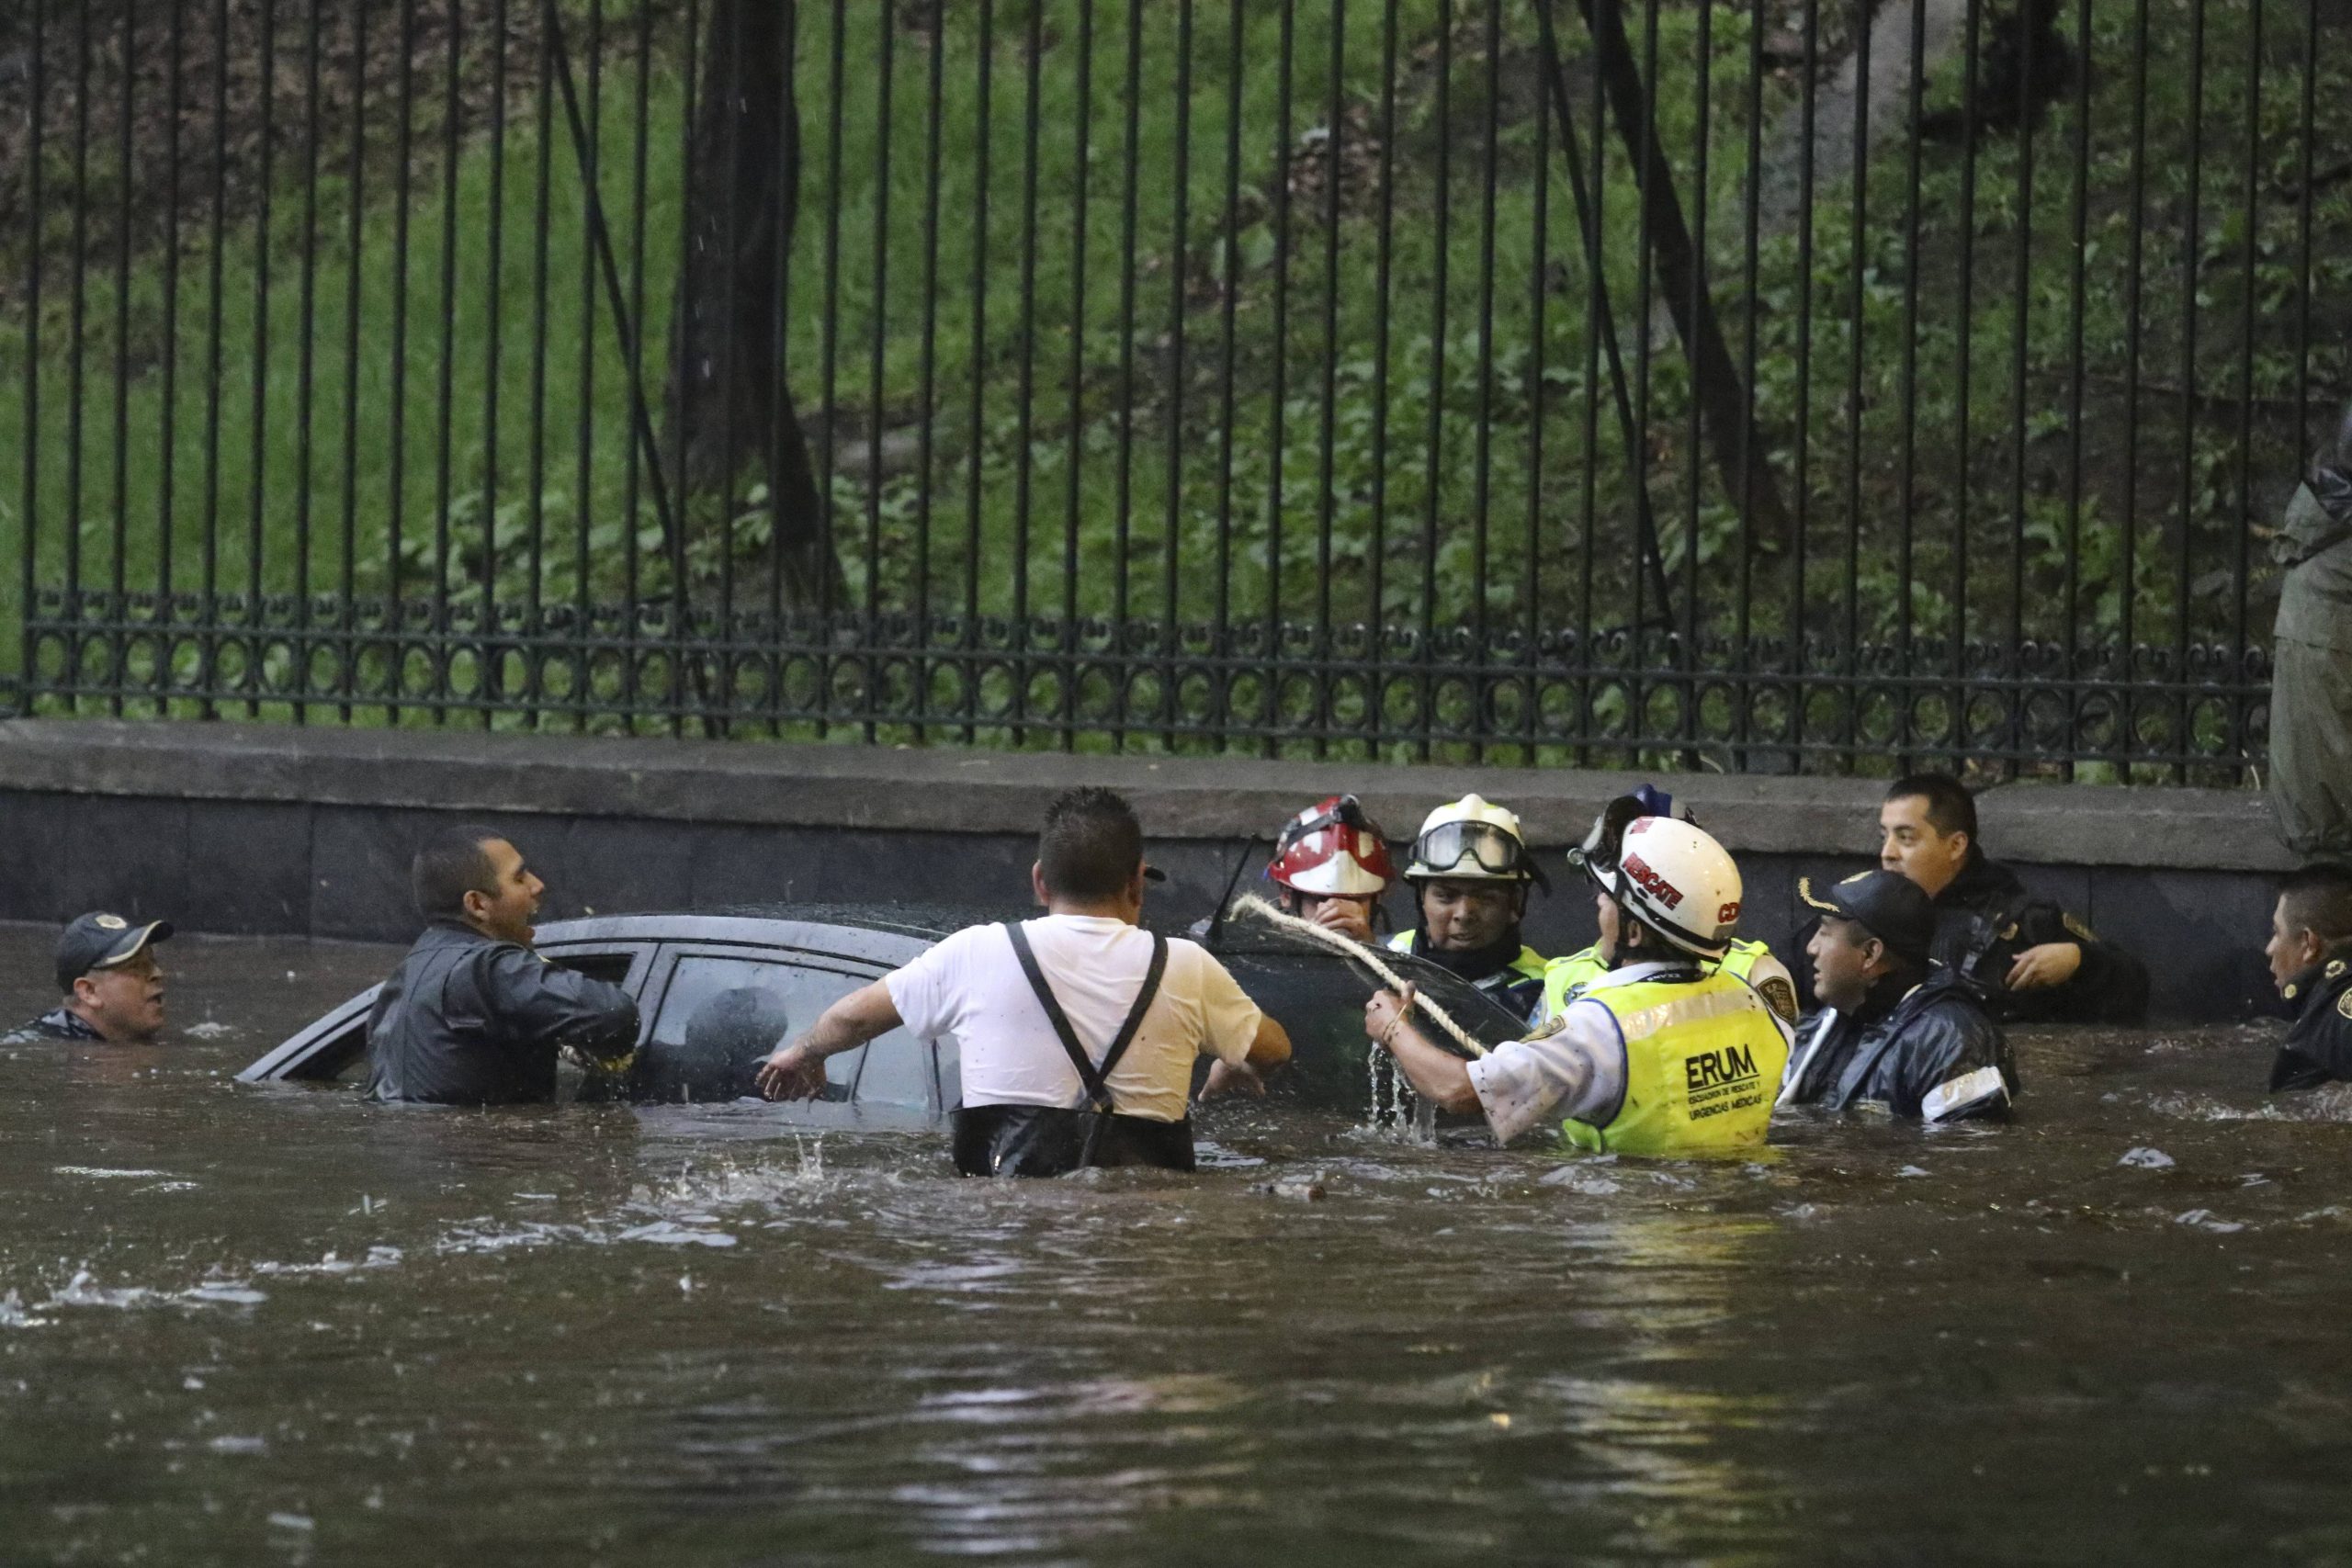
{"points": [[796, 1071], [1573, 1068], [1437, 1075], [536, 1003]]}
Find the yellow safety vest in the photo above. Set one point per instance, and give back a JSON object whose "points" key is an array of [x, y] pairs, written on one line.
{"points": [[1703, 1060], [1564, 979]]}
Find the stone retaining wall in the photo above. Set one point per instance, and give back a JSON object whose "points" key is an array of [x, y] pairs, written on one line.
{"points": [[276, 829]]}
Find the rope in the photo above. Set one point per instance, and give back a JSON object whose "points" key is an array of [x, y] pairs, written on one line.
{"points": [[1258, 908]]}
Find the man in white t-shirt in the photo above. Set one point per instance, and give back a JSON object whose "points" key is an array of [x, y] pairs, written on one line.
{"points": [[1038, 1009]]}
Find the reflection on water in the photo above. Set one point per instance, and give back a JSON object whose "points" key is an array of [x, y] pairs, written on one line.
{"points": [[278, 1324]]}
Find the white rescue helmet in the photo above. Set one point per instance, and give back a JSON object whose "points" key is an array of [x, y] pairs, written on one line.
{"points": [[1680, 883], [1471, 841]]}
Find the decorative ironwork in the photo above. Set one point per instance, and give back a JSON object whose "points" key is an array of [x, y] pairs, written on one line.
{"points": [[1467, 378]]}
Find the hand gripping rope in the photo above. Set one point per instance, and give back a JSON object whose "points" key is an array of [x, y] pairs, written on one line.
{"points": [[1258, 908]]}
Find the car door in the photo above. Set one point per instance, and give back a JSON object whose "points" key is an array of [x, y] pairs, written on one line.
{"points": [[717, 1008], [334, 1045]]}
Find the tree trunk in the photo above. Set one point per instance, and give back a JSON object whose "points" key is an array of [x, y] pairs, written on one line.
{"points": [[726, 400]]}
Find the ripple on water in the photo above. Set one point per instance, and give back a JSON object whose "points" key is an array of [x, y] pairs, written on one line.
{"points": [[481, 1327]]}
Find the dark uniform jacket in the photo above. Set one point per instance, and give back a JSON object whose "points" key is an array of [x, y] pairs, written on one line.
{"points": [[1507, 971], [1986, 918], [2318, 1047], [469, 1021], [58, 1023], [1933, 1053]]}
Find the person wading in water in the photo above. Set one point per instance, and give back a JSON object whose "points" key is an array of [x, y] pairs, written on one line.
{"points": [[1667, 1053], [1077, 1031]]}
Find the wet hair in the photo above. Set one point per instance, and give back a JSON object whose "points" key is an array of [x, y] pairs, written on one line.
{"points": [[1950, 806], [452, 864], [1090, 844], [2318, 899]]}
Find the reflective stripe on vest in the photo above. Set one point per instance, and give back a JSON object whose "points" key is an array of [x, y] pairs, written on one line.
{"points": [[1565, 979], [1703, 1060]]}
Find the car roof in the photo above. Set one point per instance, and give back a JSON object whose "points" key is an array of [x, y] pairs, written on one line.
{"points": [[785, 925]]}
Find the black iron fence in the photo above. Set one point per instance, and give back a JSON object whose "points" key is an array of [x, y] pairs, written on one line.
{"points": [[1772, 385]]}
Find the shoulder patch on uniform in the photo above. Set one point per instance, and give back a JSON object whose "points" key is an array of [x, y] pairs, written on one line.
{"points": [[2344, 1004], [1781, 997], [1549, 1027], [2081, 932]]}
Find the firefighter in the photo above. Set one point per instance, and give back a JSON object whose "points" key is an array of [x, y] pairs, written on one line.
{"points": [[1666, 1053], [1332, 866], [1470, 873]]}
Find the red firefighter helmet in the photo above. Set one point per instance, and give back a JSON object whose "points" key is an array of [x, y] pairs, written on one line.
{"points": [[1332, 850]]}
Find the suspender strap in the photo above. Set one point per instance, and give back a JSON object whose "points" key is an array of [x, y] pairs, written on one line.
{"points": [[1096, 1079]]}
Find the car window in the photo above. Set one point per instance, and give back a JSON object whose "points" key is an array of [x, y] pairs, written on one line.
{"points": [[610, 967], [720, 1013]]}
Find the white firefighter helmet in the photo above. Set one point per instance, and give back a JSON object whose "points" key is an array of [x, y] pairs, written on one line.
{"points": [[1471, 841], [1679, 882], [1333, 849]]}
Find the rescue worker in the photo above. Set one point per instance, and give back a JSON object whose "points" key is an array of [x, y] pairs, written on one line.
{"points": [[2031, 960], [1898, 1029], [2311, 959], [1664, 1055], [1077, 1031], [112, 987], [473, 1016], [1470, 872], [2310, 659], [1564, 979], [1331, 865]]}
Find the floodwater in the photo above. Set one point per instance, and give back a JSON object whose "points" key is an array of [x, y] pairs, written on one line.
{"points": [[245, 1324]]}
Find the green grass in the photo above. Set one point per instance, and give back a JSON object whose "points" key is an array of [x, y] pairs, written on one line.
{"points": [[1220, 518]]}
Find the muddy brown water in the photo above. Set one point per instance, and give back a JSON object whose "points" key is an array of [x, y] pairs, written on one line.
{"points": [[243, 1325]]}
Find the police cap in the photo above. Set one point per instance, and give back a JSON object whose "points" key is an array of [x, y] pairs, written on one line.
{"points": [[103, 941], [1887, 903]]}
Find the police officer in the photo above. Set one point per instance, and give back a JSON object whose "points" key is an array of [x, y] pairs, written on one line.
{"points": [[1470, 873], [1898, 1029], [2311, 959], [1664, 1055], [473, 1016], [1331, 865], [2031, 960], [1564, 979], [113, 988]]}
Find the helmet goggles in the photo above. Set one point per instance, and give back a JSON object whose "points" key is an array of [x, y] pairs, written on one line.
{"points": [[1596, 856], [1453, 848], [1341, 811]]}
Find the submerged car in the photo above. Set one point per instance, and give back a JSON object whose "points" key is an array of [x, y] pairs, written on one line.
{"points": [[717, 992]]}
